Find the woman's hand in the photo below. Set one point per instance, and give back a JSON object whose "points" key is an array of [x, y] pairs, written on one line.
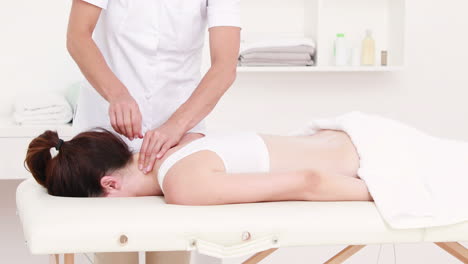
{"points": [[125, 116], [156, 143]]}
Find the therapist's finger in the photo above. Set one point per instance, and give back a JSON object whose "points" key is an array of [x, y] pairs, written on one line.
{"points": [[149, 163], [117, 121], [144, 151], [120, 121], [128, 123], [163, 150], [113, 120], [136, 123]]}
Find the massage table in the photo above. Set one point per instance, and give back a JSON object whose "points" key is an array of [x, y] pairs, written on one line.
{"points": [[62, 225]]}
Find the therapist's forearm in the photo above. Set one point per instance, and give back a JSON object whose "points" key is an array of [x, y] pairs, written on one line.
{"points": [[92, 64], [212, 87]]}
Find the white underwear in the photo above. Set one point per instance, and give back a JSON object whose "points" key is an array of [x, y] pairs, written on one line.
{"points": [[241, 152]]}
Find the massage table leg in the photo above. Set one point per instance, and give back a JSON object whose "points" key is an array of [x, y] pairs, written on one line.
{"points": [[54, 259], [344, 254], [259, 256], [67, 258], [341, 257], [455, 249]]}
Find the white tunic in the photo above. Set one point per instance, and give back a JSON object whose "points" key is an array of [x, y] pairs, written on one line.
{"points": [[154, 47]]}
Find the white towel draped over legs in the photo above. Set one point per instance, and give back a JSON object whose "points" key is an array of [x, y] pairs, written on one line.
{"points": [[416, 180]]}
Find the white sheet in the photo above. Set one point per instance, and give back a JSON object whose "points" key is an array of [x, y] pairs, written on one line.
{"points": [[417, 180]]}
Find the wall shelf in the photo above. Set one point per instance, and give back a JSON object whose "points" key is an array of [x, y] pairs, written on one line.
{"points": [[321, 20], [9, 129], [321, 69]]}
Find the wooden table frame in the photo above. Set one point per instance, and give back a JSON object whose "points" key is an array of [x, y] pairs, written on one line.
{"points": [[453, 248]]}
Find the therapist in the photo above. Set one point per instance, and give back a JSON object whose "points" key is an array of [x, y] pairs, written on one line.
{"points": [[142, 59], [142, 63]]}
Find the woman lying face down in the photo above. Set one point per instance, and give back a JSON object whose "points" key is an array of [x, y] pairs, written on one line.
{"points": [[205, 170], [92, 164]]}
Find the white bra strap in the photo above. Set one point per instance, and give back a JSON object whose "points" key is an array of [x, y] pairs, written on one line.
{"points": [[186, 150]]}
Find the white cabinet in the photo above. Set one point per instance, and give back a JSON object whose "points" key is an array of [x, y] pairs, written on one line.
{"points": [[321, 20], [14, 141]]}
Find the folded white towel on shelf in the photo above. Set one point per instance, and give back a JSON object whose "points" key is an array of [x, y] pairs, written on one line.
{"points": [[279, 45], [274, 63], [272, 56], [42, 109], [278, 52], [416, 180]]}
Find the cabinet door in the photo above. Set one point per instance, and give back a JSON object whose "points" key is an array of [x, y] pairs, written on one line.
{"points": [[12, 155]]}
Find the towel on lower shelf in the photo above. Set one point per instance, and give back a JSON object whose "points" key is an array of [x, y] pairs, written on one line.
{"points": [[278, 52], [42, 109]]}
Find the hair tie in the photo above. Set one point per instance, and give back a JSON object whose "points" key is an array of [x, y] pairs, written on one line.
{"points": [[59, 144]]}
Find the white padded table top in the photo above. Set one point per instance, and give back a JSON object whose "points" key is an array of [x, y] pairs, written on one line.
{"points": [[55, 225]]}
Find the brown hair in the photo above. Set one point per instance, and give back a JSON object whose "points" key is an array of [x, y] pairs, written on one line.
{"points": [[77, 169]]}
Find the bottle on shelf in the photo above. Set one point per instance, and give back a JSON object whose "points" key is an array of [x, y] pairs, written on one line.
{"points": [[368, 50], [341, 50], [384, 58]]}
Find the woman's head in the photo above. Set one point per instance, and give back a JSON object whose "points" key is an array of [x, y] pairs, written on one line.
{"points": [[81, 163]]}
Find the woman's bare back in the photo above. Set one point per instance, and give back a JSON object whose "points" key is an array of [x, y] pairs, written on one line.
{"points": [[327, 151]]}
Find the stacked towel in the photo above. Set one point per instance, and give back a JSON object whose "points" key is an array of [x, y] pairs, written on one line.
{"points": [[47, 109], [278, 52]]}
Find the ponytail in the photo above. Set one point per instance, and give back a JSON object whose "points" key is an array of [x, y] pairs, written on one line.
{"points": [[38, 157]]}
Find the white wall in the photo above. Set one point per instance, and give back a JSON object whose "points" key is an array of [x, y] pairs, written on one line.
{"points": [[430, 94], [33, 54]]}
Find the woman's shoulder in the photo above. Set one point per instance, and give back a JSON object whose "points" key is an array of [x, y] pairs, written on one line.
{"points": [[189, 156], [194, 167], [198, 153]]}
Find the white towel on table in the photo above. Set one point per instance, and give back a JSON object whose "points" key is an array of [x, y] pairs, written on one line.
{"points": [[42, 109], [416, 180]]}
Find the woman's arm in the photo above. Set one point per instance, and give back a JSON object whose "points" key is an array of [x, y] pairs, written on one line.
{"points": [[124, 112], [192, 182], [198, 187], [224, 50]]}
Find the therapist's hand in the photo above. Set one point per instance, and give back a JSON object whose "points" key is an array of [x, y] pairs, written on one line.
{"points": [[157, 142], [125, 116]]}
